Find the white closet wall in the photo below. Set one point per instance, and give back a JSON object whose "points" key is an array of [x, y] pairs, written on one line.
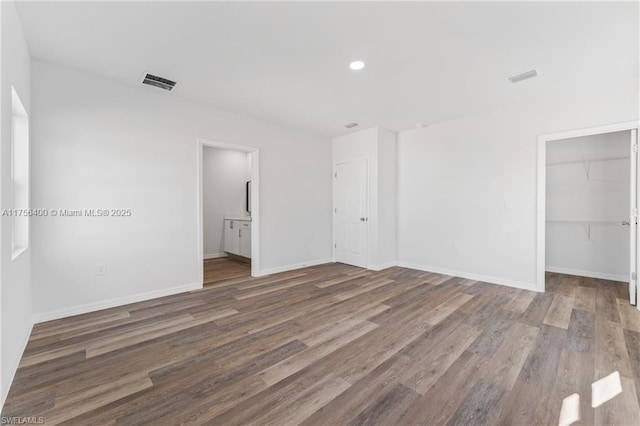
{"points": [[587, 201]]}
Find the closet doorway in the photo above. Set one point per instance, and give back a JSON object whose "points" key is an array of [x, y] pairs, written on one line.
{"points": [[587, 205]]}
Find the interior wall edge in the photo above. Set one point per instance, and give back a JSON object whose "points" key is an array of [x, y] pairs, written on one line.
{"points": [[383, 266], [14, 363], [214, 255], [588, 274], [112, 303], [471, 276], [293, 267]]}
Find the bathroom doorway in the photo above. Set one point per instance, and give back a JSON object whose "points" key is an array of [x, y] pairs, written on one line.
{"points": [[228, 211]]}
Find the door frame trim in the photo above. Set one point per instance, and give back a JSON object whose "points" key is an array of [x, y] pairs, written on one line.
{"points": [[542, 182], [333, 203], [255, 202]]}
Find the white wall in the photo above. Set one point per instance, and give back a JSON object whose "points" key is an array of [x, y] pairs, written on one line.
{"points": [[224, 176], [379, 147], [386, 254], [102, 144], [15, 275], [588, 191], [467, 197]]}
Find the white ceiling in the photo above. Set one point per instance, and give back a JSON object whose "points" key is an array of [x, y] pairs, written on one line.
{"points": [[288, 62]]}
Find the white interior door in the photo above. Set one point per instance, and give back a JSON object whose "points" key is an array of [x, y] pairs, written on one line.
{"points": [[351, 212], [633, 220]]}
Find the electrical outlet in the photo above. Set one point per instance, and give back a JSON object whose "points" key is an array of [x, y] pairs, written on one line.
{"points": [[101, 269]]}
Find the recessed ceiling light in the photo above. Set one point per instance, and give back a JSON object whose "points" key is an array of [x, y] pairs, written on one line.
{"points": [[356, 65], [523, 76]]}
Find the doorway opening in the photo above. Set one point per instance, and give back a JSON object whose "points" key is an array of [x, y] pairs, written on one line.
{"points": [[228, 213], [587, 206]]}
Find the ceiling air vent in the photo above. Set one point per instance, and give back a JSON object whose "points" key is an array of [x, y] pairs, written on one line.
{"points": [[523, 76], [162, 83], [350, 125]]}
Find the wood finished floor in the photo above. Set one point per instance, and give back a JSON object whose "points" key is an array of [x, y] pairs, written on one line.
{"points": [[334, 344], [224, 269]]}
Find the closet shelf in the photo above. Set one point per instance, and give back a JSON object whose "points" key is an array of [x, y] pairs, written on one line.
{"points": [[591, 222], [593, 160], [586, 224]]}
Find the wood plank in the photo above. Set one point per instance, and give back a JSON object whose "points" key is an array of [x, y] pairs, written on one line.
{"points": [[544, 357], [611, 349], [297, 362], [491, 337], [447, 308], [388, 408], [504, 367], [305, 403], [629, 315], [523, 406], [606, 304], [632, 340], [375, 348], [585, 299], [433, 363], [581, 331], [225, 270], [537, 310], [623, 408], [559, 313], [208, 390], [575, 375], [437, 279], [102, 394], [439, 403], [314, 335], [481, 406], [363, 394], [150, 333], [521, 302], [341, 279]]}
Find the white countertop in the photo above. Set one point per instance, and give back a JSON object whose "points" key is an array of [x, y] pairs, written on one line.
{"points": [[237, 217]]}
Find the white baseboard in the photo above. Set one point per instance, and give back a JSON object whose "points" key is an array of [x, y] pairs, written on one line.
{"points": [[112, 303], [16, 356], [383, 266], [589, 274], [279, 269], [470, 276], [214, 255]]}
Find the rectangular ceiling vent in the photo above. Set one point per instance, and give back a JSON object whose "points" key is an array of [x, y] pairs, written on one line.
{"points": [[161, 82], [350, 125], [524, 76]]}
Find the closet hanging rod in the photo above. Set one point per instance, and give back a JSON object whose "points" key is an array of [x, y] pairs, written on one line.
{"points": [[593, 160], [589, 222]]}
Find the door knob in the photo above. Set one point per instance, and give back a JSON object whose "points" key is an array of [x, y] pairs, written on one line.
{"points": [[362, 219]]}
